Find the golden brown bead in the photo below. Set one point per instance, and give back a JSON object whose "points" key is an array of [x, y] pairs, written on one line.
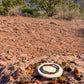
{"points": [[29, 68], [28, 72], [42, 60], [37, 81], [76, 71], [62, 79], [31, 72], [64, 63], [52, 82]]}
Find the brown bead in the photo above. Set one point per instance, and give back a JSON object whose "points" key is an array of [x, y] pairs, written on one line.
{"points": [[67, 68], [78, 76], [31, 72], [33, 66], [62, 79], [29, 68], [28, 72], [37, 64], [76, 71], [52, 82], [37, 81], [64, 63], [42, 60]]}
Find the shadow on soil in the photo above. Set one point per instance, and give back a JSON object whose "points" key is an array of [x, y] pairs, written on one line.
{"points": [[80, 32]]}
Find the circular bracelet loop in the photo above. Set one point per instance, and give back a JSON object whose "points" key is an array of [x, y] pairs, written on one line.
{"points": [[50, 65]]}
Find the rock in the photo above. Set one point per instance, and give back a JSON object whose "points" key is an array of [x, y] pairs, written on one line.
{"points": [[81, 56], [23, 80], [17, 73], [10, 67], [53, 23]]}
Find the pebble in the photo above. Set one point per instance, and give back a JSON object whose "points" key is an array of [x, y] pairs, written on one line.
{"points": [[52, 82], [23, 80]]}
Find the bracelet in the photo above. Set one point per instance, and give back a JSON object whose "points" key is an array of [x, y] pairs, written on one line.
{"points": [[50, 65]]}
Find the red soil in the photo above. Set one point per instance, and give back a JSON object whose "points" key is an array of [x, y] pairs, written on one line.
{"points": [[25, 41], [39, 37]]}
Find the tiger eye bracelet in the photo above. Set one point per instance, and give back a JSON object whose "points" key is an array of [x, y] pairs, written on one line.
{"points": [[50, 65]]}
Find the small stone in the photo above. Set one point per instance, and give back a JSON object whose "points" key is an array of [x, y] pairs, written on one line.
{"points": [[11, 67], [17, 73], [23, 80], [53, 23]]}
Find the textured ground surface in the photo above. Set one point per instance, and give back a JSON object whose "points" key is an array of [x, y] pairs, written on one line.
{"points": [[25, 40]]}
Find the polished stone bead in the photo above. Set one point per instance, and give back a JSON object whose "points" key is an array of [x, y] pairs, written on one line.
{"points": [[64, 63]]}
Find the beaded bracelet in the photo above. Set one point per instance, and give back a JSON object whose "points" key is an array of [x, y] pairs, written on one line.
{"points": [[50, 65]]}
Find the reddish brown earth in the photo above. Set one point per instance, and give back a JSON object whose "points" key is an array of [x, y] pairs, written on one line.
{"points": [[24, 38], [39, 37]]}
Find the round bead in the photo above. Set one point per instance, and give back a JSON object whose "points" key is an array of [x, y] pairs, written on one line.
{"points": [[28, 72], [67, 68], [52, 82], [62, 79], [37, 81], [76, 71], [37, 64], [42, 60], [29, 68], [78, 76], [31, 72], [64, 63]]}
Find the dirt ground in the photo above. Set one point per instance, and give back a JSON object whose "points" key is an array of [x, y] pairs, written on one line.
{"points": [[24, 38], [39, 37]]}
